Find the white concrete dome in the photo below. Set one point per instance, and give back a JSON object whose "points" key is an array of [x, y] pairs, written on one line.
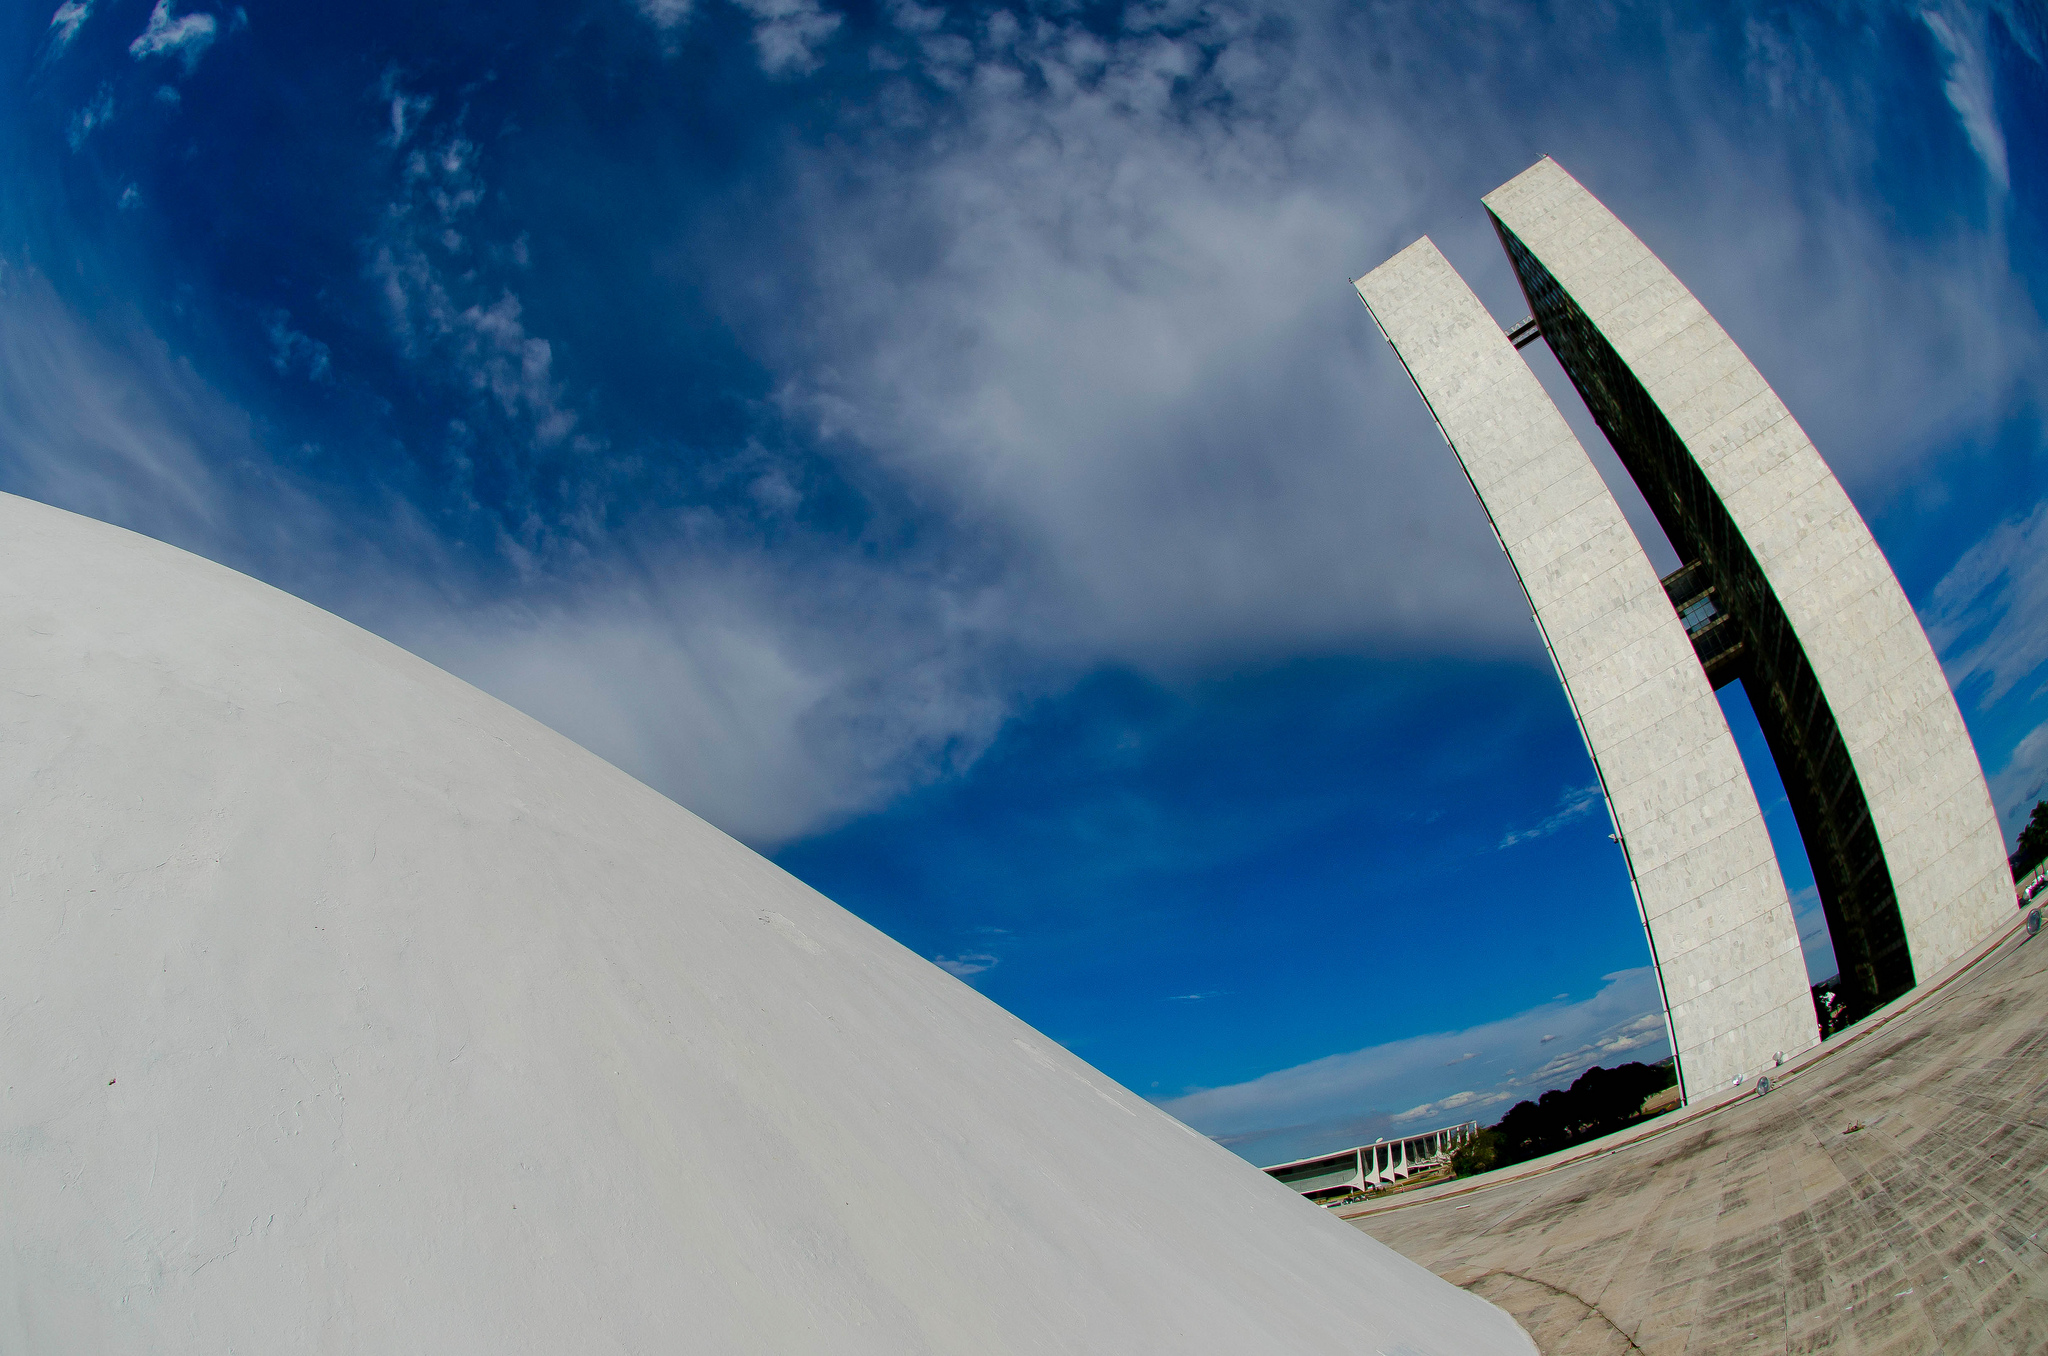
{"points": [[345, 1008]]}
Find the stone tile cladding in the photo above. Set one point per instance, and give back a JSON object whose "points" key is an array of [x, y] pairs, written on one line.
{"points": [[1913, 755], [1819, 776], [1705, 875]]}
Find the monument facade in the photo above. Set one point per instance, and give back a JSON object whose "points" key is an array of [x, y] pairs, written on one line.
{"points": [[1781, 587]]}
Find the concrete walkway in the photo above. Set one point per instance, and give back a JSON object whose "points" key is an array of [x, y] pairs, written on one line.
{"points": [[1885, 1197]]}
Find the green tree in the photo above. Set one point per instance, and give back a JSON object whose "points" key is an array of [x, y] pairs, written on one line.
{"points": [[1476, 1154], [2033, 844], [1598, 1102]]}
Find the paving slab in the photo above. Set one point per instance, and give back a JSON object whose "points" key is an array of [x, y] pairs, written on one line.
{"points": [[1886, 1196]]}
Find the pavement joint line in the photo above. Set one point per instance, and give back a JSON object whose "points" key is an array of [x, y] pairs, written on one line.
{"points": [[1775, 1229], [1590, 1308], [1792, 1069]]}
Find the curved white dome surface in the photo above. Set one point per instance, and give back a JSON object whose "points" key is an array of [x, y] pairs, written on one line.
{"points": [[344, 1008]]}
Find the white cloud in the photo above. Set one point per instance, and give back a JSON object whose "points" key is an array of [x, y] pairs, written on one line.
{"points": [[1988, 620], [770, 694], [767, 704], [965, 966], [186, 37], [773, 695], [1464, 1103], [1961, 33], [516, 368], [291, 349], [1574, 805], [787, 33], [453, 324], [406, 110], [1990, 611], [1116, 339], [665, 15], [2023, 780], [1086, 303], [1345, 1099], [106, 422], [98, 111], [65, 23], [1087, 296]]}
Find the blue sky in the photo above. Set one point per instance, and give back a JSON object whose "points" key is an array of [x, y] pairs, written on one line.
{"points": [[941, 448]]}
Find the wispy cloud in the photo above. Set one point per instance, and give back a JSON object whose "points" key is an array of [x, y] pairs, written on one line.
{"points": [[467, 330], [665, 14], [65, 23], [1464, 1103], [406, 109], [1574, 805], [1989, 621], [2023, 780], [103, 420], [1082, 307], [186, 37], [97, 112], [294, 351], [967, 965], [768, 701], [787, 33], [1962, 33], [1990, 613], [1313, 1107], [1076, 295]]}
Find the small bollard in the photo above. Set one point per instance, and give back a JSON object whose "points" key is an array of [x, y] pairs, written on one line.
{"points": [[2033, 921]]}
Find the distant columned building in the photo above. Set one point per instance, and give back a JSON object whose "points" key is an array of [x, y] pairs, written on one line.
{"points": [[1781, 585]]}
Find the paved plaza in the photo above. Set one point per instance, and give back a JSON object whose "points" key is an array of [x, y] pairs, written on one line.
{"points": [[1886, 1196]]}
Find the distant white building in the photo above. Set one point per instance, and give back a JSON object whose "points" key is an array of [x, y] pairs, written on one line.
{"points": [[1331, 1176]]}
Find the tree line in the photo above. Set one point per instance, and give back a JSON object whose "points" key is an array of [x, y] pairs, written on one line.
{"points": [[1599, 1102], [2033, 844]]}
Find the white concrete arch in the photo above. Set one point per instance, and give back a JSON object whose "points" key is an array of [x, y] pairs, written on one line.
{"points": [[1781, 586], [1699, 857], [1935, 837]]}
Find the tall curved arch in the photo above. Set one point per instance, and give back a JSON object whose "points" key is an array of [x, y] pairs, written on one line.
{"points": [[1699, 857], [1877, 762]]}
